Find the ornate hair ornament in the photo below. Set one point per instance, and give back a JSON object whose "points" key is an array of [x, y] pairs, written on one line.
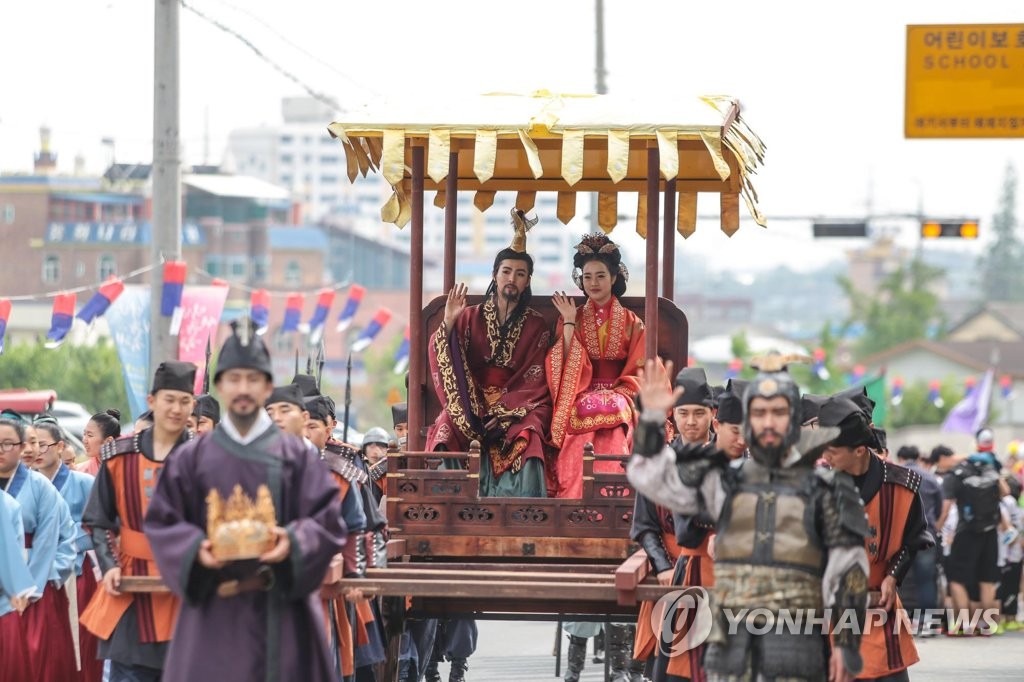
{"points": [[596, 243], [521, 223]]}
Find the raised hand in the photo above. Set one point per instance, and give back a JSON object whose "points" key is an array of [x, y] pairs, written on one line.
{"points": [[455, 304], [565, 305], [655, 387]]}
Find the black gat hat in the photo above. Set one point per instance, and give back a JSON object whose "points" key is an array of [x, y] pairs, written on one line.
{"points": [[244, 350]]}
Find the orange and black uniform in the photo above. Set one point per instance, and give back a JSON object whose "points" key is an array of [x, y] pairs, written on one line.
{"points": [[897, 529], [134, 629]]}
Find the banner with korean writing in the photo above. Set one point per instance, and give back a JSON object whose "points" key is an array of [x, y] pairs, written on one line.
{"points": [[128, 318], [964, 81], [202, 308]]}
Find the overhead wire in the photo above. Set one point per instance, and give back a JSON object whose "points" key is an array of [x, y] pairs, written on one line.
{"points": [[291, 43], [310, 90]]}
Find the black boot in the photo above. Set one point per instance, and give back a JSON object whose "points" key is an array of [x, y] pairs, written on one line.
{"points": [[430, 673], [577, 658], [598, 647], [636, 670], [458, 671], [634, 667], [405, 671], [618, 651]]}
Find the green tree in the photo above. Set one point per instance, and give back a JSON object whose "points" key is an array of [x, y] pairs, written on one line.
{"points": [[381, 382], [809, 380], [741, 349], [916, 409], [999, 269], [90, 375], [903, 309]]}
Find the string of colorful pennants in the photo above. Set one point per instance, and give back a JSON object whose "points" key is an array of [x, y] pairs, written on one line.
{"points": [[896, 389], [174, 274]]}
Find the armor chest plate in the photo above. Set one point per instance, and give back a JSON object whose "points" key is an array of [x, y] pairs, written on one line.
{"points": [[769, 521]]}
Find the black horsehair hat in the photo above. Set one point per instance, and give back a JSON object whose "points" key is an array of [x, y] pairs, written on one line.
{"points": [[317, 408], [290, 393], [730, 402], [244, 350], [400, 413], [174, 375], [849, 417], [207, 406], [306, 384], [696, 391]]}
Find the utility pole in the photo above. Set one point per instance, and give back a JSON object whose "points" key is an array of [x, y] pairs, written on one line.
{"points": [[166, 234], [601, 88]]}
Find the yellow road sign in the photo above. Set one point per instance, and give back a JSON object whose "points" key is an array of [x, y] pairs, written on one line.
{"points": [[965, 81]]}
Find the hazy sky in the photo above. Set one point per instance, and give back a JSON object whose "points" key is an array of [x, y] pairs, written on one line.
{"points": [[821, 83]]}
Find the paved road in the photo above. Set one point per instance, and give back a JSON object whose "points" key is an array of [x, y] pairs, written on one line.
{"points": [[522, 652]]}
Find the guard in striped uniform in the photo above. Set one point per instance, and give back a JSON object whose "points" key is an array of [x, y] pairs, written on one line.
{"points": [[134, 629], [897, 530]]}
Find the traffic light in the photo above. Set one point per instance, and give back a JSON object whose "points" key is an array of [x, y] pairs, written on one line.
{"points": [[841, 229], [960, 229]]}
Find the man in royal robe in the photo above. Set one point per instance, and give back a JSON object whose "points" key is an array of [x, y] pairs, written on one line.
{"points": [[487, 366], [251, 619]]}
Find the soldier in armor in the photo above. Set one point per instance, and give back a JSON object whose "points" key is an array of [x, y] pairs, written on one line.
{"points": [[788, 536], [375, 455]]}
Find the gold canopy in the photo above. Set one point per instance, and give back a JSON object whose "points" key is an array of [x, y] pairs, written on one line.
{"points": [[548, 142]]}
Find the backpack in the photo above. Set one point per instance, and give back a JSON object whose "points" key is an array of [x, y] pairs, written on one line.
{"points": [[979, 498]]}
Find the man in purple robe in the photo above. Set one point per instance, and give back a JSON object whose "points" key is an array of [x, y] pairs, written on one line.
{"points": [[258, 619]]}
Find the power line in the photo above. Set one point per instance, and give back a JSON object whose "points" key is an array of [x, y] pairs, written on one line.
{"points": [[315, 94], [288, 41]]}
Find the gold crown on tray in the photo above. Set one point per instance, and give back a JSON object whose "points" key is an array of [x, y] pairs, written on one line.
{"points": [[240, 528]]}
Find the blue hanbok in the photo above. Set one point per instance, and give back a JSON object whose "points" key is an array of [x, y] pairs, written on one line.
{"points": [[74, 487], [15, 579], [50, 537]]}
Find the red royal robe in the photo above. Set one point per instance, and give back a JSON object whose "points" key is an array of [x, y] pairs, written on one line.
{"points": [[480, 373], [593, 386]]}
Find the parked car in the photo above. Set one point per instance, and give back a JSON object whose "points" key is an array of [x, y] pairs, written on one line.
{"points": [[72, 416]]}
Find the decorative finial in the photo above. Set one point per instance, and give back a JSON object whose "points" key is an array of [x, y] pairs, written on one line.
{"points": [[522, 224], [776, 362]]}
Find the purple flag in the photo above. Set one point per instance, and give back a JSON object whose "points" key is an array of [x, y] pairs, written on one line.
{"points": [[971, 413]]}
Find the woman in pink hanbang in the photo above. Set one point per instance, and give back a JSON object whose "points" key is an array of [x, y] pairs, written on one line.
{"points": [[102, 427], [592, 367]]}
